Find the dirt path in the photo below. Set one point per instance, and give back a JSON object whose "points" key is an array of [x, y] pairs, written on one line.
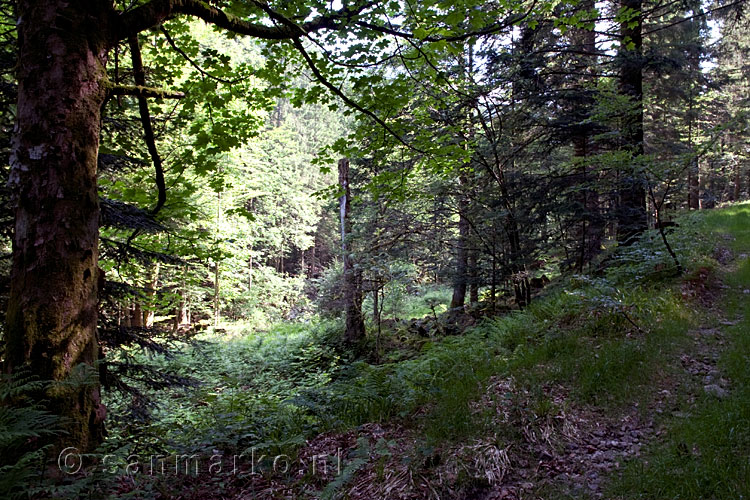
{"points": [[570, 452], [564, 449]]}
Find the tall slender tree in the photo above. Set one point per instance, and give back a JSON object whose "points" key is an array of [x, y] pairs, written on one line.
{"points": [[631, 213]]}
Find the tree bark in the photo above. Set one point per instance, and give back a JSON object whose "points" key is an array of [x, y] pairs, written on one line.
{"points": [[693, 186], [737, 182], [460, 277], [217, 265], [493, 282], [355, 323], [591, 228], [136, 314], [694, 169], [473, 277], [52, 308], [631, 214]]}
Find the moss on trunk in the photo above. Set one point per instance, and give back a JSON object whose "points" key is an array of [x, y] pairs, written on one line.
{"points": [[52, 308]]}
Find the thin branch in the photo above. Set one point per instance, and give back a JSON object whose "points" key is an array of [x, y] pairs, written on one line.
{"points": [[690, 18], [141, 91], [330, 86], [140, 78], [488, 30], [193, 63]]}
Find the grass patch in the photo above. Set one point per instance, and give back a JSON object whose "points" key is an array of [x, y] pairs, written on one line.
{"points": [[707, 455], [601, 357]]}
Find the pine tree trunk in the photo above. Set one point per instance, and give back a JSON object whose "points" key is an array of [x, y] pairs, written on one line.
{"points": [[217, 266], [125, 315], [150, 314], [694, 188], [217, 291], [460, 277], [355, 324], [52, 308], [493, 283], [591, 228], [376, 304], [694, 170], [737, 182], [473, 277], [182, 312], [631, 214], [136, 315]]}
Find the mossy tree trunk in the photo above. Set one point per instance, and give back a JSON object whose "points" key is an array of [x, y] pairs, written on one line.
{"points": [[52, 308], [62, 87]]}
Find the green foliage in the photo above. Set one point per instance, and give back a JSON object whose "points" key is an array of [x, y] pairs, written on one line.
{"points": [[242, 232], [356, 459], [247, 380], [271, 390], [24, 428], [328, 294]]}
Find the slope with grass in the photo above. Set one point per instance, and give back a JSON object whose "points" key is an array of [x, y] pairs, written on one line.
{"points": [[704, 452], [627, 384]]}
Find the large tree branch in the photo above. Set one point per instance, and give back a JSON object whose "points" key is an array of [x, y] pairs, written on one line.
{"points": [[156, 12]]}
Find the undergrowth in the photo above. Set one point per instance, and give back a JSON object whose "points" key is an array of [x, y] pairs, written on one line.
{"points": [[604, 336]]}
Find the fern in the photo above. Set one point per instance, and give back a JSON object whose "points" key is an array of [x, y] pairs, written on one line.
{"points": [[358, 458], [23, 424]]}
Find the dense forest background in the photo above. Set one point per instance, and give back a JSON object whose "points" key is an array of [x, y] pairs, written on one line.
{"points": [[310, 221]]}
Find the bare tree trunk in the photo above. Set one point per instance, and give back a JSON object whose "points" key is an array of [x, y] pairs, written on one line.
{"points": [[125, 315], [52, 307], [217, 290], [473, 277], [590, 229], [355, 324], [217, 267], [136, 314], [182, 312], [462, 255], [313, 256], [737, 181], [693, 170], [493, 282], [737, 172], [702, 188], [148, 320], [632, 217], [693, 187]]}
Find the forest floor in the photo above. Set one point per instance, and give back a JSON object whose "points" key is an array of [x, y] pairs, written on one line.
{"points": [[680, 432], [627, 383]]}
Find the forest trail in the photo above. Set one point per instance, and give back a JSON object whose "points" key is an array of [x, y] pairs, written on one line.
{"points": [[560, 447], [584, 453]]}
